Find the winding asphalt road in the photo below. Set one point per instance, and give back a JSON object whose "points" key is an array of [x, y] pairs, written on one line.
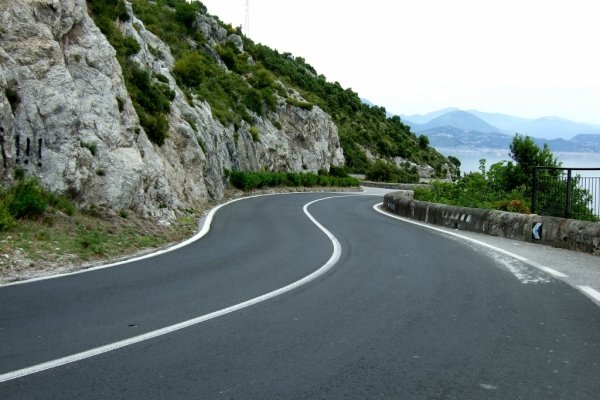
{"points": [[389, 310]]}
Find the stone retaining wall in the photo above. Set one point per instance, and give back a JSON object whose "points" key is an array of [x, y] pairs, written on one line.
{"points": [[399, 186], [558, 232]]}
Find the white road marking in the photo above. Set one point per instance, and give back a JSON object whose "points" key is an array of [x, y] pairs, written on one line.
{"points": [[548, 270], [588, 291], [524, 274], [593, 293], [335, 256]]}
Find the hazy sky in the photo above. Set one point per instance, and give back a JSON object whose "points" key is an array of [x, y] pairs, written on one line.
{"points": [[529, 58]]}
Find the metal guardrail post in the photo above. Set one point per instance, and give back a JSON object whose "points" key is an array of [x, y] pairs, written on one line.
{"points": [[534, 190], [569, 194], [580, 196]]}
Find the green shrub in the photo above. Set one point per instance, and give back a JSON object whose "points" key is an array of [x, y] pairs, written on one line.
{"points": [[161, 78], [156, 126], [186, 14], [255, 133], [246, 180], [339, 172], [383, 171], [474, 190], [301, 104], [308, 180], [61, 203], [130, 46], [28, 199], [230, 55], [189, 69], [7, 221], [112, 9], [92, 241], [515, 205]]}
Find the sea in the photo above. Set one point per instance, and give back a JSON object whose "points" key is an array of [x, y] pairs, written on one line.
{"points": [[469, 159]]}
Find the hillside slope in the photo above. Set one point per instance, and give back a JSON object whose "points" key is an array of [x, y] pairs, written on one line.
{"points": [[144, 105]]}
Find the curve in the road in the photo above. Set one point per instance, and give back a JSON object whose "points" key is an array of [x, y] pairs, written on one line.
{"points": [[194, 321]]}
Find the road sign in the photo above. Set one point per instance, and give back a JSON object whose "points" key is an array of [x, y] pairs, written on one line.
{"points": [[536, 232]]}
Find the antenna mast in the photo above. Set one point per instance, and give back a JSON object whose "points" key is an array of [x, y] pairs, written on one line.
{"points": [[247, 23]]}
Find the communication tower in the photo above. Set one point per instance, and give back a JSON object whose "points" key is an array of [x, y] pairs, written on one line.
{"points": [[247, 22]]}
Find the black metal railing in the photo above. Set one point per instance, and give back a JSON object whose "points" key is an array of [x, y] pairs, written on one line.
{"points": [[564, 192]]}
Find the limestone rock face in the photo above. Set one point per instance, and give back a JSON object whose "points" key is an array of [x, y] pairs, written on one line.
{"points": [[66, 118]]}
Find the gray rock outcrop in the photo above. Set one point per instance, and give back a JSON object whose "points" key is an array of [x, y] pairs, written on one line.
{"points": [[67, 118]]}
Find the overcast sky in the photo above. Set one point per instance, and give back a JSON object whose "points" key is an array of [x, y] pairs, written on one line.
{"points": [[528, 58]]}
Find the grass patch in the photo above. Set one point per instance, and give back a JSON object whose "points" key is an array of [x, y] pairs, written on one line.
{"points": [[56, 239], [41, 229]]}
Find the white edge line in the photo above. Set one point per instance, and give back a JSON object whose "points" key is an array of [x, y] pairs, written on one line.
{"points": [[591, 292], [587, 290], [206, 222], [337, 251], [548, 270]]}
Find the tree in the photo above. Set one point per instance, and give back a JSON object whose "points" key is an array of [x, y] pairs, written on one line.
{"points": [[527, 155], [423, 142]]}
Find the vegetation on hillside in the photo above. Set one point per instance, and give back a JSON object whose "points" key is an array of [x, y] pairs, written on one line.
{"points": [[150, 96], [233, 93], [507, 185], [361, 127], [251, 83]]}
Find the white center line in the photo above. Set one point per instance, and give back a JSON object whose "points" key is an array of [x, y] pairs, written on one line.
{"points": [[335, 256]]}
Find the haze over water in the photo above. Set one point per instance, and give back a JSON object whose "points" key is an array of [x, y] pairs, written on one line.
{"points": [[470, 159]]}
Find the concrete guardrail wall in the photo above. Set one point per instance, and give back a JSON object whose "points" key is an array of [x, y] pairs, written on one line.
{"points": [[558, 232], [398, 186]]}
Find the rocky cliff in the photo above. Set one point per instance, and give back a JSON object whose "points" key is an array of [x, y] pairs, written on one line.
{"points": [[66, 117]]}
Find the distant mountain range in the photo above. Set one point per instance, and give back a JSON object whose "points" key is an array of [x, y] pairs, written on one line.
{"points": [[472, 129]]}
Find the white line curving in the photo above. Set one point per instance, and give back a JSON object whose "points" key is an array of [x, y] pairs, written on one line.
{"points": [[588, 291], [335, 256], [548, 270], [593, 293]]}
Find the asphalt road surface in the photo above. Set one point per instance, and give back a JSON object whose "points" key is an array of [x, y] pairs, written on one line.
{"points": [[389, 310]]}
